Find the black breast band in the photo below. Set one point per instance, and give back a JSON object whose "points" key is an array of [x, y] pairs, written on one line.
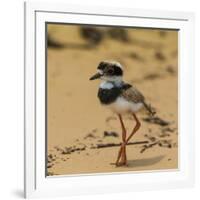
{"points": [[107, 96]]}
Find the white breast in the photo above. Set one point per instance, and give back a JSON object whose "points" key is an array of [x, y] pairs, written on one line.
{"points": [[121, 106]]}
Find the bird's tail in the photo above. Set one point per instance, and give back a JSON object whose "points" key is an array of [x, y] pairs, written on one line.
{"points": [[148, 107]]}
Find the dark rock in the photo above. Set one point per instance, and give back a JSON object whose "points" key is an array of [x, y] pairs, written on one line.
{"points": [[152, 76], [170, 69], [151, 138], [52, 43], [163, 33], [167, 129], [92, 35], [159, 56], [89, 135], [135, 56], [156, 120], [112, 134], [119, 34]]}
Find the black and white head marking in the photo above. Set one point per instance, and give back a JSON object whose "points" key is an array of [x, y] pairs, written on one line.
{"points": [[110, 71], [110, 68]]}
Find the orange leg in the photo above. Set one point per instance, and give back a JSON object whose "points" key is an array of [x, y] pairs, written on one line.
{"points": [[122, 152], [137, 126]]}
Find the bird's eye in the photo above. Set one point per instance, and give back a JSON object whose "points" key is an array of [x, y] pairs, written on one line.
{"points": [[110, 71]]}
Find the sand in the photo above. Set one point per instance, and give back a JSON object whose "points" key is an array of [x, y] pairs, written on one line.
{"points": [[77, 125]]}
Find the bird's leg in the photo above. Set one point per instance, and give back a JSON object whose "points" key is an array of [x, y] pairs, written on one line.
{"points": [[122, 150], [137, 126]]}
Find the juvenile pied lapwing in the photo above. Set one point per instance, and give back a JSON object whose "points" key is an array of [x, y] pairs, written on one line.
{"points": [[122, 98]]}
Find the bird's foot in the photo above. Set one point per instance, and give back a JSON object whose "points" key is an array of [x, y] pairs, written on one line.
{"points": [[120, 164], [122, 160]]}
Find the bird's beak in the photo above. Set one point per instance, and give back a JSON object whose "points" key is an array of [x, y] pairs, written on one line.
{"points": [[96, 76]]}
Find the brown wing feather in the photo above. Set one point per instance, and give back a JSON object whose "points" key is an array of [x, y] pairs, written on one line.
{"points": [[132, 94]]}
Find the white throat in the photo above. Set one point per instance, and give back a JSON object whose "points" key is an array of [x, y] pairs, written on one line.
{"points": [[110, 82], [114, 79]]}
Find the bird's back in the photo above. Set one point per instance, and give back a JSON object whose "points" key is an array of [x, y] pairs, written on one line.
{"points": [[131, 93]]}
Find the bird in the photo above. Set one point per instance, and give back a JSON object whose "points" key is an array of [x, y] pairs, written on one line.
{"points": [[122, 98]]}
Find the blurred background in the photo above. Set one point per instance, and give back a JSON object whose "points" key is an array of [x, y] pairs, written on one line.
{"points": [[75, 117]]}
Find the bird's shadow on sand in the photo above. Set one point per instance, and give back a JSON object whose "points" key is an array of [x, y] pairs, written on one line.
{"points": [[145, 161]]}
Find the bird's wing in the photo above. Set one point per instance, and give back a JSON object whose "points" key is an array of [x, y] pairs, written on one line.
{"points": [[132, 94]]}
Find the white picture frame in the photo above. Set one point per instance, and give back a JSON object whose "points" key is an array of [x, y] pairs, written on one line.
{"points": [[35, 183]]}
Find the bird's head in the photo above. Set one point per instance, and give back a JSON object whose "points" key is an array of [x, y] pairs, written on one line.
{"points": [[109, 71]]}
